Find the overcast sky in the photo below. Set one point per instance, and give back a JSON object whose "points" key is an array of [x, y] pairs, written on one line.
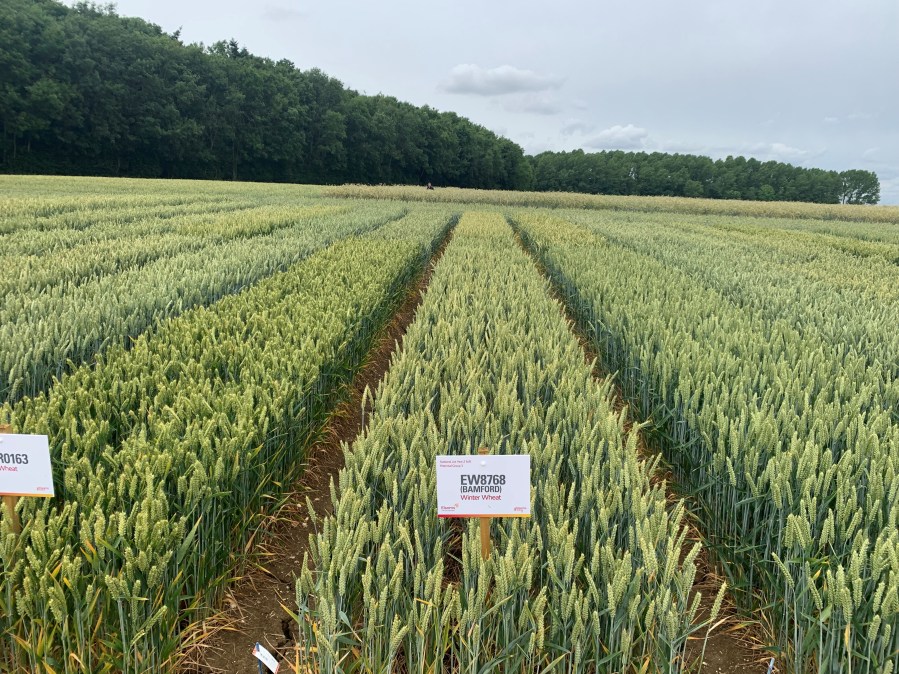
{"points": [[810, 82]]}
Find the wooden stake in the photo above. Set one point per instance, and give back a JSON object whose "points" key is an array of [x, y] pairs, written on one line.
{"points": [[485, 523], [10, 501]]}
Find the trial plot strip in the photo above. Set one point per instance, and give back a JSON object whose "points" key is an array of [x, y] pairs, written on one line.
{"points": [[596, 580]]}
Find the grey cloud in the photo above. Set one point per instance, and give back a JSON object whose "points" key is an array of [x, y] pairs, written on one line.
{"points": [[576, 126], [618, 137], [468, 78], [779, 151]]}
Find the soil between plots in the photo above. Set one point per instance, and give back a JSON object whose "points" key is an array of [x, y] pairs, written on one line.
{"points": [[252, 610]]}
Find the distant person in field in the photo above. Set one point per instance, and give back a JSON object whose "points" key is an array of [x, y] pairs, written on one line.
{"points": [[430, 186]]}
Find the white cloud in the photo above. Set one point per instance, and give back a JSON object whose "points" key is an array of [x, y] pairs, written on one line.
{"points": [[780, 151], [618, 137], [871, 153], [831, 120], [468, 78]]}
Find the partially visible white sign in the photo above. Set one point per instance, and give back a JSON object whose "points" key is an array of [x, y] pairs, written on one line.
{"points": [[266, 658], [477, 485], [25, 466]]}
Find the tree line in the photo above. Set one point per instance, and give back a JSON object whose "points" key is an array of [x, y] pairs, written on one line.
{"points": [[85, 91], [684, 175]]}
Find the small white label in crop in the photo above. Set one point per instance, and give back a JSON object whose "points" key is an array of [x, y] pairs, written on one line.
{"points": [[266, 658], [25, 466]]}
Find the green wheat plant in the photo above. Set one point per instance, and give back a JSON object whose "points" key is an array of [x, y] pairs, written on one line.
{"points": [[769, 374], [166, 453], [599, 579], [69, 306]]}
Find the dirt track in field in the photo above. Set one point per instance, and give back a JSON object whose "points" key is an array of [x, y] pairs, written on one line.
{"points": [[252, 610], [733, 645]]}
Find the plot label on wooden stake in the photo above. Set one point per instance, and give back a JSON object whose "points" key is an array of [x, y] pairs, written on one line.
{"points": [[25, 466], [484, 486]]}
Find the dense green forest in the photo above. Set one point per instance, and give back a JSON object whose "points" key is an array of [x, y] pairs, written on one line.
{"points": [[684, 175], [84, 91]]}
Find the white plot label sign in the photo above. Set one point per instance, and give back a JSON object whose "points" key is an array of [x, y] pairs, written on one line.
{"points": [[25, 466], [262, 654], [484, 486]]}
